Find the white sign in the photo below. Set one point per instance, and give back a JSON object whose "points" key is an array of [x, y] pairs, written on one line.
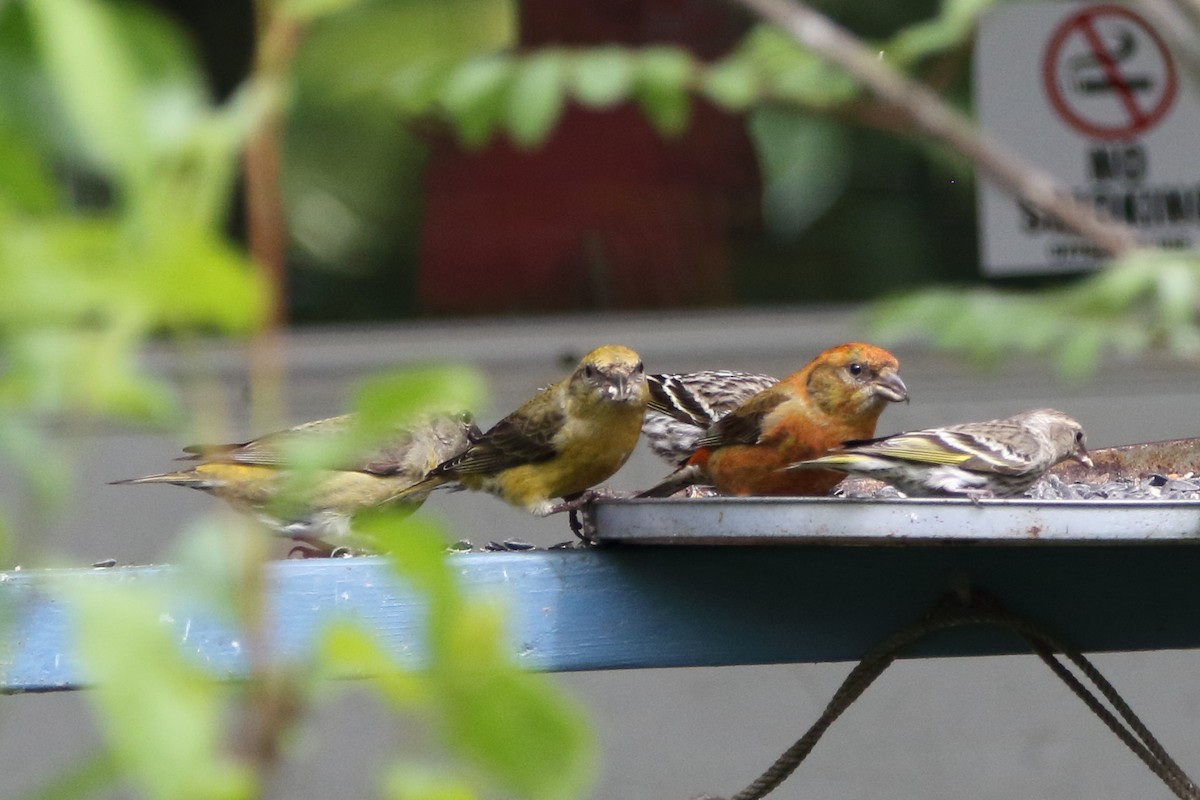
{"points": [[1090, 93]]}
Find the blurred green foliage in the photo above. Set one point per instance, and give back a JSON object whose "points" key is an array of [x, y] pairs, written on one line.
{"points": [[163, 715], [853, 204], [357, 145], [352, 174], [1147, 299], [118, 173], [173, 731], [489, 712], [115, 197]]}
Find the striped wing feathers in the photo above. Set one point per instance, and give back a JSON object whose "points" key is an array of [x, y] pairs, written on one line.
{"points": [[999, 447]]}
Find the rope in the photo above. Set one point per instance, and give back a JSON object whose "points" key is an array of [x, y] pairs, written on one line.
{"points": [[956, 611]]}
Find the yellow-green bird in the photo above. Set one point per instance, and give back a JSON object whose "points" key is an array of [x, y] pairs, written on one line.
{"points": [[253, 476], [564, 440]]}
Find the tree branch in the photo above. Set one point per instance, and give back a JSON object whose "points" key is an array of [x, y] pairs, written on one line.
{"points": [[932, 116]]}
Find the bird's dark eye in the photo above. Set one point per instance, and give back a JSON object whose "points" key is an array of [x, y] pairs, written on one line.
{"points": [[590, 370], [639, 369], [1079, 437], [856, 369]]}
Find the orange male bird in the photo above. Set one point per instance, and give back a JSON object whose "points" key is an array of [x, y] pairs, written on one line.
{"points": [[837, 396]]}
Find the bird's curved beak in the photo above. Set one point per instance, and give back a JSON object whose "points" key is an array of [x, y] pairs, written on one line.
{"points": [[625, 388], [890, 386], [1082, 457]]}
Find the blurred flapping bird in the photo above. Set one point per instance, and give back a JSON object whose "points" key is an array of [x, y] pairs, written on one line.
{"points": [[564, 440], [838, 395], [254, 476], [1001, 457], [684, 405]]}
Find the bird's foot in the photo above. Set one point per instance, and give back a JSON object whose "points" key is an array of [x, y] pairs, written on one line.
{"points": [[574, 503], [305, 551], [584, 529], [975, 495], [311, 546]]}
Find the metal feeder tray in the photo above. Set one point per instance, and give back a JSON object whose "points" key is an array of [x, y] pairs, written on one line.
{"points": [[833, 520]]}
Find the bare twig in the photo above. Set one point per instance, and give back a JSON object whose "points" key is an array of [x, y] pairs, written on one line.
{"points": [[272, 701], [932, 116], [266, 225], [1191, 10]]}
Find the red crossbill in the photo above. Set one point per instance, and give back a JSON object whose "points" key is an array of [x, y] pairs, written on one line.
{"points": [[839, 395]]}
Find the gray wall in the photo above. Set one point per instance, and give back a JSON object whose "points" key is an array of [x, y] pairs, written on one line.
{"points": [[995, 727]]}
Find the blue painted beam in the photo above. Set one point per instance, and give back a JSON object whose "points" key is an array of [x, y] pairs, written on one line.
{"points": [[672, 606]]}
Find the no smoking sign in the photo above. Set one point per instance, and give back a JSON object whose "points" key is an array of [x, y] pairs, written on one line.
{"points": [[1090, 93], [1108, 74]]}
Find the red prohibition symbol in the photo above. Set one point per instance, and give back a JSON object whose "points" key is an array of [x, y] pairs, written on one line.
{"points": [[1108, 74]]}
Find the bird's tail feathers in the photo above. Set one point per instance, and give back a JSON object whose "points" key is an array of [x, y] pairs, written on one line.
{"points": [[183, 478], [419, 490], [830, 461], [685, 476]]}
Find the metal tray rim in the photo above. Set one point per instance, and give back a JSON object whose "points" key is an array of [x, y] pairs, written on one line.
{"points": [[892, 521]]}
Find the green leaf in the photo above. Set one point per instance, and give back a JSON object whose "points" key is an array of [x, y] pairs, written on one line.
{"points": [[1114, 288], [661, 86], [126, 78], [196, 279], [793, 74], [474, 96], [347, 651], [1079, 354], [25, 180], [536, 99], [309, 10], [601, 77], [387, 399], [1178, 291], [194, 176], [952, 27], [497, 715], [491, 713], [161, 715], [416, 88], [83, 372], [383, 403], [213, 556], [96, 79], [387, 37], [414, 782], [732, 84], [417, 550]]}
